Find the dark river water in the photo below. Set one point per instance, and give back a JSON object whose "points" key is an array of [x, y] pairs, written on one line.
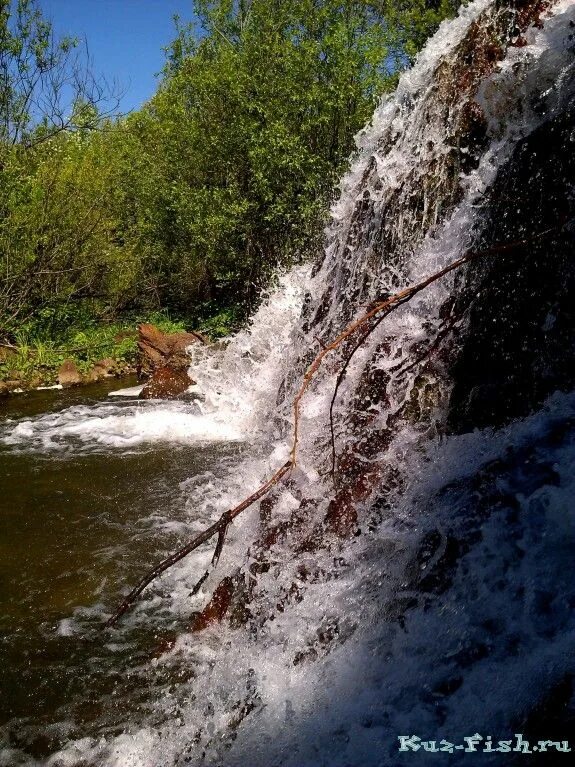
{"points": [[77, 527]]}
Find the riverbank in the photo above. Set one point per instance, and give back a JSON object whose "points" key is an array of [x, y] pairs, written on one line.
{"points": [[76, 356]]}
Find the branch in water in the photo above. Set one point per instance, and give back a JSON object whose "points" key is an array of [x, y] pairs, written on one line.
{"points": [[220, 527], [214, 562]]}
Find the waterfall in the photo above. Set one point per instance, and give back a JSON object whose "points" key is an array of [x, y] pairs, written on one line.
{"points": [[331, 647]]}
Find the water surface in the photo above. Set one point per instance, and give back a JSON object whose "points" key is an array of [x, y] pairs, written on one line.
{"points": [[80, 521]]}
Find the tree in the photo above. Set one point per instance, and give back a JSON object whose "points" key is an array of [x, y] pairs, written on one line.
{"points": [[52, 211], [412, 22], [46, 84], [251, 128]]}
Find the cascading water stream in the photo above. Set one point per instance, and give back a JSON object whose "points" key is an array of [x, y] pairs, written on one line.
{"points": [[332, 675], [237, 386]]}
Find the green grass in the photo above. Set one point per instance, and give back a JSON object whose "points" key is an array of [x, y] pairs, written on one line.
{"points": [[73, 332], [39, 352]]}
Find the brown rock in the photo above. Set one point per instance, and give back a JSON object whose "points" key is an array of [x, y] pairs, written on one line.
{"points": [[6, 352], [341, 516], [216, 608], [96, 374], [178, 344], [107, 364], [166, 383], [103, 369], [68, 374], [157, 349], [152, 348]]}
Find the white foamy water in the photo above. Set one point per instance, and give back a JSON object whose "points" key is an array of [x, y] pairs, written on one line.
{"points": [[235, 392], [241, 382], [107, 426], [431, 674]]}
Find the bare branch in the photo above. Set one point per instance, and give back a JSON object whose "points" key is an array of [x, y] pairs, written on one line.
{"points": [[362, 323], [219, 526]]}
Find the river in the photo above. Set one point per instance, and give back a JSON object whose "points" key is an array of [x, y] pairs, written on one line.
{"points": [[80, 522]]}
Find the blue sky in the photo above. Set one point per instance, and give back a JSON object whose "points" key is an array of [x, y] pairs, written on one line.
{"points": [[125, 38]]}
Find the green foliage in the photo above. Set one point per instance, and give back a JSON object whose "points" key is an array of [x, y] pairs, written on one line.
{"points": [[59, 232], [411, 22], [38, 357], [221, 324], [190, 204], [249, 131]]}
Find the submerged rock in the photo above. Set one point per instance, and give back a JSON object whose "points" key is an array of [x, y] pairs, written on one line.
{"points": [[166, 383]]}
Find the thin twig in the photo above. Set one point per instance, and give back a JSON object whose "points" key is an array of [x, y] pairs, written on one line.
{"points": [[214, 562], [320, 342], [340, 376]]}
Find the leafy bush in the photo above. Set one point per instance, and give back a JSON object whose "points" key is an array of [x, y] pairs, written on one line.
{"points": [[189, 205]]}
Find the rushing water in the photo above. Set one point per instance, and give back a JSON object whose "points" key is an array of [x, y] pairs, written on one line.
{"points": [[93, 491], [79, 520], [462, 572]]}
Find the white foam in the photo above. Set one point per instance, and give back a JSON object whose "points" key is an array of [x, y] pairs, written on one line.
{"points": [[66, 627], [96, 427]]}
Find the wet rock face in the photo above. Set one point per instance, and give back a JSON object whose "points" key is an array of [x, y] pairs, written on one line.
{"points": [[520, 343]]}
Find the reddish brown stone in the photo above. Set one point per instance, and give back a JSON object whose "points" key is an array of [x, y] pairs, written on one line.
{"points": [[217, 607], [341, 515], [157, 349], [166, 383]]}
